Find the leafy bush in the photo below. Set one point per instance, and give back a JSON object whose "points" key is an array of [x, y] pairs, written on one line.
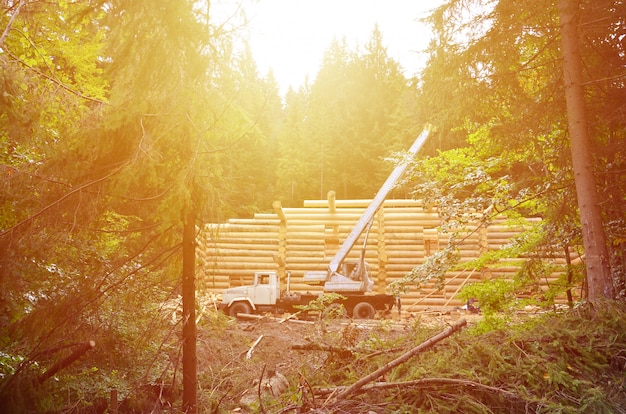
{"points": [[555, 362]]}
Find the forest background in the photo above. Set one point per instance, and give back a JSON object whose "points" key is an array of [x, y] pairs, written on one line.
{"points": [[122, 121]]}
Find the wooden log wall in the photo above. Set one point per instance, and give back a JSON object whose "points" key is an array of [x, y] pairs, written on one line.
{"points": [[404, 233]]}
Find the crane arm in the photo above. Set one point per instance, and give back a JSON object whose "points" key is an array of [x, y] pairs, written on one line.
{"points": [[375, 204]]}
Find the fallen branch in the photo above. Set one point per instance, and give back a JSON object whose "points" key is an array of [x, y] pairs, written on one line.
{"points": [[425, 382], [251, 350], [250, 316], [67, 361], [290, 316], [300, 321], [400, 360]]}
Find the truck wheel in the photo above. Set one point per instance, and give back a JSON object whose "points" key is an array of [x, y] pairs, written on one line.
{"points": [[239, 307], [363, 310]]}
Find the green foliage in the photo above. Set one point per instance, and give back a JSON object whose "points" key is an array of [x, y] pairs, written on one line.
{"points": [[495, 295], [322, 303], [106, 137], [433, 270], [493, 88], [118, 116], [555, 362], [327, 307], [336, 130]]}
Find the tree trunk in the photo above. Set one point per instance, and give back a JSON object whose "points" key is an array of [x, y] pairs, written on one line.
{"points": [[190, 380], [599, 280]]}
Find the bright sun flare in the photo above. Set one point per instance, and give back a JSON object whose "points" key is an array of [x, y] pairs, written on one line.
{"points": [[290, 37]]}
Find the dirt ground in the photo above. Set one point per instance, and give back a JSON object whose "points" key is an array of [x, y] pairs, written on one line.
{"points": [[232, 362]]}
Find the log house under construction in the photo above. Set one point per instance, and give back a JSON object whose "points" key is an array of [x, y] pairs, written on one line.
{"points": [[403, 235]]}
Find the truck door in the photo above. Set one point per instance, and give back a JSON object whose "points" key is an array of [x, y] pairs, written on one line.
{"points": [[265, 289]]}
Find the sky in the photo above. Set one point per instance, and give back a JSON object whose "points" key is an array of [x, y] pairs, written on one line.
{"points": [[291, 36]]}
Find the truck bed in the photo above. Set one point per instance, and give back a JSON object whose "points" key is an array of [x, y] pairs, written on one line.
{"points": [[380, 302]]}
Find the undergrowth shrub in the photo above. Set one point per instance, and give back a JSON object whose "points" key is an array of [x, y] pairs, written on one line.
{"points": [[568, 362]]}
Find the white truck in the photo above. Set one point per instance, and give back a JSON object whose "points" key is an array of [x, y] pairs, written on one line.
{"points": [[351, 279], [265, 295]]}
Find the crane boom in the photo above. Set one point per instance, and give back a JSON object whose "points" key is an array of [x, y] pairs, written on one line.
{"points": [[375, 204]]}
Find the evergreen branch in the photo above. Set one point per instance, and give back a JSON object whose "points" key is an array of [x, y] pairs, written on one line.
{"points": [[127, 231], [64, 184], [102, 291], [56, 81], [11, 169], [59, 201]]}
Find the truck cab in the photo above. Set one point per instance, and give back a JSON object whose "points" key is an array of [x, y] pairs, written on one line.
{"points": [[264, 291]]}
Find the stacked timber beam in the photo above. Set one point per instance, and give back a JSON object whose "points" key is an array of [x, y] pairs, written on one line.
{"points": [[296, 240]]}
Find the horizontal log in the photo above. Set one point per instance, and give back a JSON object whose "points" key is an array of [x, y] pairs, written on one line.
{"points": [[413, 220], [407, 260], [214, 248], [295, 213], [266, 216], [255, 221], [395, 265], [314, 228], [318, 243], [405, 250], [351, 210], [243, 259], [229, 239], [306, 267], [334, 220], [216, 286], [230, 267], [304, 236], [227, 274], [238, 228], [408, 245], [392, 267], [252, 236], [363, 203], [295, 253], [343, 216]]}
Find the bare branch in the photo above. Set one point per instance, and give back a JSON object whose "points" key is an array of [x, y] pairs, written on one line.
{"points": [[56, 81], [427, 382], [8, 28], [354, 388], [58, 201]]}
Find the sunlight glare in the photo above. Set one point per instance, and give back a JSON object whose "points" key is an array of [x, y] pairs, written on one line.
{"points": [[290, 37]]}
